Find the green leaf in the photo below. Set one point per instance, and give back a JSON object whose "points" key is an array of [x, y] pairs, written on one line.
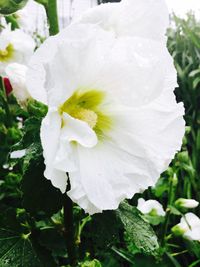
{"points": [[196, 82], [139, 231], [31, 133], [16, 250], [37, 109], [194, 73], [103, 230], [93, 263], [38, 193]]}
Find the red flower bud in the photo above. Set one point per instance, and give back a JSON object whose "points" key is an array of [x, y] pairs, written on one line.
{"points": [[7, 85]]}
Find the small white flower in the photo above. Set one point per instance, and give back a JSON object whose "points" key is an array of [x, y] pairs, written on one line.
{"points": [[152, 207], [186, 203], [17, 75], [18, 154], [15, 46], [189, 227], [113, 123]]}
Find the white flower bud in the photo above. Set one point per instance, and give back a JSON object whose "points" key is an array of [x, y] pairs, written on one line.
{"points": [[186, 203], [189, 227], [16, 74]]}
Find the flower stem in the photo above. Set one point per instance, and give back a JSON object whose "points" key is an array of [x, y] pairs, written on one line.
{"points": [[172, 188], [52, 16], [69, 231]]}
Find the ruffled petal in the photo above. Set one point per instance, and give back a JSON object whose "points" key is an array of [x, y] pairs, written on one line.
{"points": [[137, 151], [107, 182], [157, 130]]}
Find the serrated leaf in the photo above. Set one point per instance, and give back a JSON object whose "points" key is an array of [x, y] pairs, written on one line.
{"points": [[139, 231], [16, 251]]}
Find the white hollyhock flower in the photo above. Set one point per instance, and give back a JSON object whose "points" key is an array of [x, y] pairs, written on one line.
{"points": [[151, 206], [113, 122], [17, 75], [189, 227], [15, 46], [186, 203]]}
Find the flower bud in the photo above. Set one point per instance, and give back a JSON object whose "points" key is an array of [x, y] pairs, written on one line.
{"points": [[189, 227], [174, 180], [177, 230], [16, 74], [7, 85], [186, 203]]}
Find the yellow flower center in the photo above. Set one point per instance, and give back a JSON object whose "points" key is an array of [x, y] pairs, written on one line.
{"points": [[86, 115], [7, 53], [87, 106]]}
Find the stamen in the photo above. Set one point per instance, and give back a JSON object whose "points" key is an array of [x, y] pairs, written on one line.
{"points": [[86, 115]]}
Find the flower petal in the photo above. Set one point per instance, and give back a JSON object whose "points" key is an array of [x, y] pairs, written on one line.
{"points": [[50, 132], [67, 62], [107, 182], [144, 18], [78, 131], [132, 158], [73, 131]]}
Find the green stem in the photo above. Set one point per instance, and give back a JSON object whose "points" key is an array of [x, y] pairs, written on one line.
{"points": [[69, 231], [168, 212], [52, 16]]}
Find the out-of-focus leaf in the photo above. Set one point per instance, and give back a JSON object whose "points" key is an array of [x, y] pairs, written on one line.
{"points": [[194, 73], [196, 82], [11, 6]]}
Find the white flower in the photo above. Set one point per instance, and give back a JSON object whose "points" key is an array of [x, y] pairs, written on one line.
{"points": [[18, 154], [186, 203], [113, 122], [189, 227], [15, 46], [150, 207], [17, 75]]}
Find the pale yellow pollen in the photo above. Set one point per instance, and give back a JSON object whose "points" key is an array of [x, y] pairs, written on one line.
{"points": [[86, 115], [4, 52]]}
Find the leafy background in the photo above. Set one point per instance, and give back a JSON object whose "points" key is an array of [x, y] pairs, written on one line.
{"points": [[33, 230]]}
